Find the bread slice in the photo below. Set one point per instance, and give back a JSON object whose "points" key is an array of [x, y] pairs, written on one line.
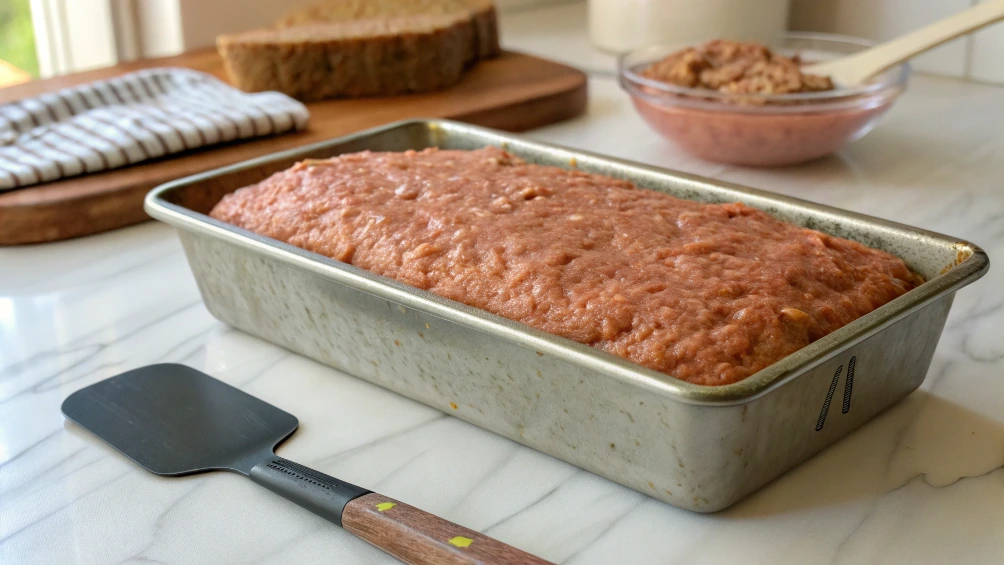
{"points": [[482, 15], [353, 58]]}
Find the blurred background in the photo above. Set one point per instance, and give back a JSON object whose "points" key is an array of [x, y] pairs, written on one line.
{"points": [[40, 38]]}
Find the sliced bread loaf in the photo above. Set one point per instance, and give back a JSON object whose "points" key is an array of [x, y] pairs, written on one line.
{"points": [[356, 58], [481, 13], [341, 48]]}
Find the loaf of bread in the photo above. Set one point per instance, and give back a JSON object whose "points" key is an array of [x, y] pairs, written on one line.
{"points": [[707, 293], [344, 48], [481, 14]]}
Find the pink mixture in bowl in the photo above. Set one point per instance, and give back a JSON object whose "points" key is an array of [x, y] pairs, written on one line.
{"points": [[745, 122]]}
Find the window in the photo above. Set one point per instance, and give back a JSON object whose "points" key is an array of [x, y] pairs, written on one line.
{"points": [[18, 60]]}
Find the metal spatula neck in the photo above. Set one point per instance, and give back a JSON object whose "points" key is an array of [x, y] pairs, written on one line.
{"points": [[299, 472], [322, 494]]}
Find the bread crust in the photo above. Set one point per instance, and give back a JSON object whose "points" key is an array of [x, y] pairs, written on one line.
{"points": [[486, 32]]}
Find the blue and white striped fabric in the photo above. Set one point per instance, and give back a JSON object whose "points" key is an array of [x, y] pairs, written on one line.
{"points": [[129, 119]]}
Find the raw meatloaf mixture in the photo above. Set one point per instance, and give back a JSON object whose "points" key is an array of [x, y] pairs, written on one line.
{"points": [[705, 293], [736, 68]]}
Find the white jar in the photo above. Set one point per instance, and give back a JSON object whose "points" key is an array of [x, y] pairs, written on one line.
{"points": [[623, 25]]}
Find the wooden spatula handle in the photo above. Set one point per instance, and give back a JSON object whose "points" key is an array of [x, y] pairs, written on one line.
{"points": [[859, 67], [403, 531], [420, 538]]}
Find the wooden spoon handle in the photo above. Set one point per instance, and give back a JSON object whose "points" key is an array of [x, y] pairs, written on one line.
{"points": [[420, 538], [857, 68]]}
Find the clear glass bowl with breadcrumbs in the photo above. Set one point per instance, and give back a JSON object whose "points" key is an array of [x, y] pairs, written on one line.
{"points": [[763, 130]]}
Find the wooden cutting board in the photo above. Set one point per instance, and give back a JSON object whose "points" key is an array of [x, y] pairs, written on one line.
{"points": [[514, 92]]}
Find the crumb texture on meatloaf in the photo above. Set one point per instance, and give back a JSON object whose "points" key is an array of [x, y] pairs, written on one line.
{"points": [[705, 293]]}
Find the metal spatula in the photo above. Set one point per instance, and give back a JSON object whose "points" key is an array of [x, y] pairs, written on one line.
{"points": [[173, 420]]}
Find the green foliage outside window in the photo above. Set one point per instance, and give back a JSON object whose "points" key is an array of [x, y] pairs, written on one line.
{"points": [[17, 39]]}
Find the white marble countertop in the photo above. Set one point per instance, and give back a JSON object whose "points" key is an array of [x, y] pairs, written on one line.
{"points": [[922, 483]]}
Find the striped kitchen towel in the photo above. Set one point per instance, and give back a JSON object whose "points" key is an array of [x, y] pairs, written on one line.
{"points": [[129, 119]]}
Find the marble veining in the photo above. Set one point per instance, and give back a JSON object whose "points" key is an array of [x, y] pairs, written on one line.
{"points": [[922, 483]]}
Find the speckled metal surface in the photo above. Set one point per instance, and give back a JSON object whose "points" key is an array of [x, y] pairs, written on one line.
{"points": [[696, 447]]}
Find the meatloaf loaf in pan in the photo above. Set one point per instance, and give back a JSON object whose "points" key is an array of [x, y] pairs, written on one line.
{"points": [[684, 337]]}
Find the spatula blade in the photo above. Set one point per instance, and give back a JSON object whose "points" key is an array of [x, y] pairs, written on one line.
{"points": [[174, 420]]}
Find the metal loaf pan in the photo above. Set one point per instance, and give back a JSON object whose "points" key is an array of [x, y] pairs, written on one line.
{"points": [[697, 447]]}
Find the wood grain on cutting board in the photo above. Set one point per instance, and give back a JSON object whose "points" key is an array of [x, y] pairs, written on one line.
{"points": [[514, 92]]}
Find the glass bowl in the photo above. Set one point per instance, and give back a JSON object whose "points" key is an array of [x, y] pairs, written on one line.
{"points": [[766, 130]]}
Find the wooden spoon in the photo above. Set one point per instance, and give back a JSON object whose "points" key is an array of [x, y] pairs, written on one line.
{"points": [[858, 68]]}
